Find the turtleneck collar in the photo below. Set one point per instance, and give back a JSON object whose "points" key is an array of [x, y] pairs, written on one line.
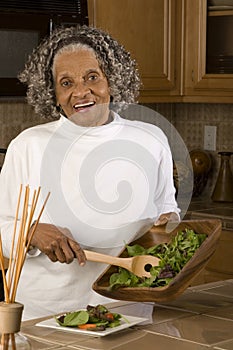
{"points": [[112, 125]]}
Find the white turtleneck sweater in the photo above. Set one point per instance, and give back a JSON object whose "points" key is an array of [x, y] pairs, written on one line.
{"points": [[107, 184]]}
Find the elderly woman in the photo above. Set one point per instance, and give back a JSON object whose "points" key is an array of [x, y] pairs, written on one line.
{"points": [[109, 177]]}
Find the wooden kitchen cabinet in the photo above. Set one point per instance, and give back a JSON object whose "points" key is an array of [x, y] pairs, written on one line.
{"points": [[171, 40], [222, 261], [151, 31], [220, 266], [208, 35]]}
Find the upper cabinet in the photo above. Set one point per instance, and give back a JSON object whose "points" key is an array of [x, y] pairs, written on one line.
{"points": [[151, 31], [208, 52], [183, 47]]}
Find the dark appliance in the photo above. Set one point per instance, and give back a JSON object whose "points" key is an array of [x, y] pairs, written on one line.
{"points": [[22, 25]]}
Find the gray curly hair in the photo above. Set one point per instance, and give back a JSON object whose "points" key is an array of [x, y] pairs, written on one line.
{"points": [[116, 63]]}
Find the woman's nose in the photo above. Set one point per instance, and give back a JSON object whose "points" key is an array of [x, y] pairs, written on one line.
{"points": [[81, 89]]}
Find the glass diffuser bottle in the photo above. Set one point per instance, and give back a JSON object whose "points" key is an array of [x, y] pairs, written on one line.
{"points": [[10, 323]]}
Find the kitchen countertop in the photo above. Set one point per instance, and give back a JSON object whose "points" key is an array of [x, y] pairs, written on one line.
{"points": [[201, 318], [205, 203], [203, 207]]}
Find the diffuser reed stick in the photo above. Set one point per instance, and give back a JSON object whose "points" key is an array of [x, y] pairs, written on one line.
{"points": [[21, 241]]}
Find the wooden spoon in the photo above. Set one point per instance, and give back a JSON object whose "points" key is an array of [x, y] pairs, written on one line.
{"points": [[136, 264]]}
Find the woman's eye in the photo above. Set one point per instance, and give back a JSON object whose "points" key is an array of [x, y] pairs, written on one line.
{"points": [[65, 83], [92, 77]]}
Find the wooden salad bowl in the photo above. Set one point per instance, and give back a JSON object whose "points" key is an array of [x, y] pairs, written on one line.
{"points": [[182, 280]]}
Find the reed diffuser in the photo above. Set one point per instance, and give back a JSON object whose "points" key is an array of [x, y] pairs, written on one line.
{"points": [[10, 310]]}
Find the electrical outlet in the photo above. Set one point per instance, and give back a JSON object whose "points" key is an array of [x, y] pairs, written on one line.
{"points": [[210, 132]]}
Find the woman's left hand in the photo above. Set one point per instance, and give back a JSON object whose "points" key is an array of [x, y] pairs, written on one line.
{"points": [[165, 218]]}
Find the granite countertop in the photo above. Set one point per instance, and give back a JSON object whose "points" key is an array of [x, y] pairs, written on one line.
{"points": [[203, 207], [205, 203], [201, 318]]}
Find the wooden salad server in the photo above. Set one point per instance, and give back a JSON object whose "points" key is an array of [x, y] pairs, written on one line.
{"points": [[136, 264]]}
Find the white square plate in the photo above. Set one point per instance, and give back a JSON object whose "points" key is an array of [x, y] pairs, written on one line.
{"points": [[132, 320]]}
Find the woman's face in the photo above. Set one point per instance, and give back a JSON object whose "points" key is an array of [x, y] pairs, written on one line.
{"points": [[81, 88]]}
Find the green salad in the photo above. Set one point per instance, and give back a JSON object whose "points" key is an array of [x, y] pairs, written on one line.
{"points": [[94, 318], [173, 257]]}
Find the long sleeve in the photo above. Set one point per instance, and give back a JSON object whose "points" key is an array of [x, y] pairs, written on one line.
{"points": [[165, 194], [13, 174]]}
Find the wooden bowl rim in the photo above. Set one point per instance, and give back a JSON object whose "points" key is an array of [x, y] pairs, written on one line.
{"points": [[218, 225]]}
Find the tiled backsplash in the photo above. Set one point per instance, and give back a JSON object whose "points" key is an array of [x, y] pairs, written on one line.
{"points": [[15, 116], [189, 120]]}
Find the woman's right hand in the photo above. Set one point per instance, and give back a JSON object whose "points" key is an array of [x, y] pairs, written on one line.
{"points": [[57, 243]]}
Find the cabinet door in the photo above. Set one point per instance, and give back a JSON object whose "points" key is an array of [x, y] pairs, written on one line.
{"points": [[151, 31], [208, 33], [222, 260]]}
